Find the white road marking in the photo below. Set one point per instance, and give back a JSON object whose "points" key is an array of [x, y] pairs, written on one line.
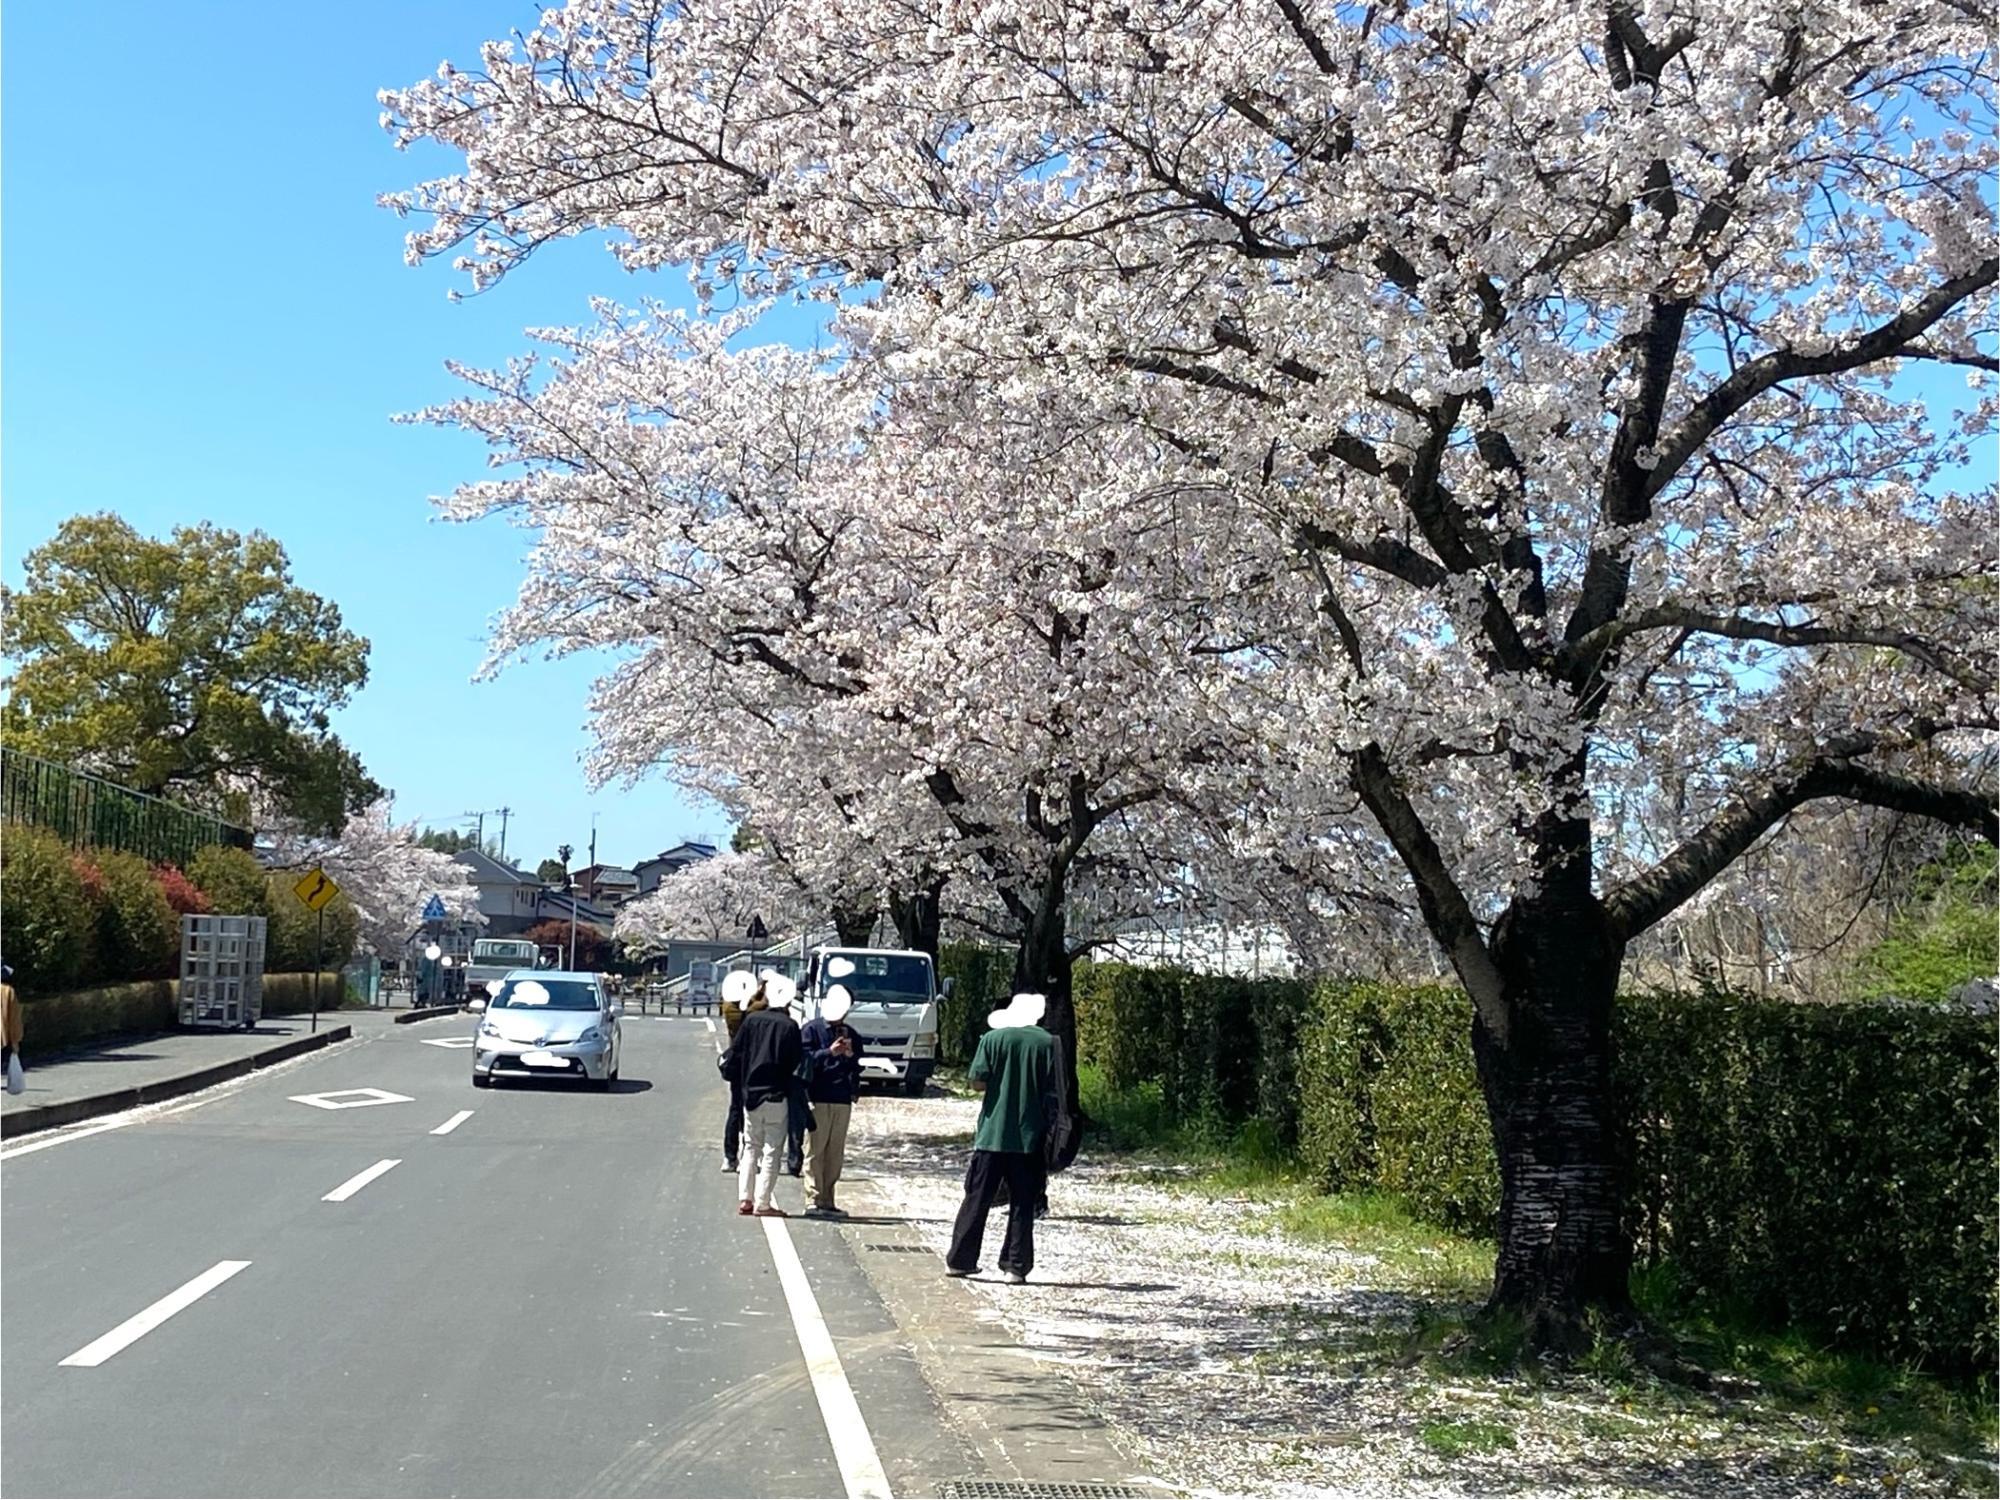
{"points": [[148, 1112], [453, 1123], [136, 1327], [351, 1098], [361, 1180], [446, 1041], [711, 1022], [853, 1449]]}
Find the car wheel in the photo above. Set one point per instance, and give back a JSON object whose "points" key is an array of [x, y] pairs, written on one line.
{"points": [[602, 1085], [482, 1080]]}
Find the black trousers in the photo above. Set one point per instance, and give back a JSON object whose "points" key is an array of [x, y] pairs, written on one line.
{"points": [[732, 1126], [1025, 1176]]}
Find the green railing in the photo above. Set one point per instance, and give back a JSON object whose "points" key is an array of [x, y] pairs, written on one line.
{"points": [[92, 813]]}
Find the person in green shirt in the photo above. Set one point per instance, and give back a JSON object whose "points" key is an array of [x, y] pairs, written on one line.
{"points": [[1015, 1067]]}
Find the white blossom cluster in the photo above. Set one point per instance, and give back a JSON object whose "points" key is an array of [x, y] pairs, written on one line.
{"points": [[715, 899], [379, 866], [1369, 446]]}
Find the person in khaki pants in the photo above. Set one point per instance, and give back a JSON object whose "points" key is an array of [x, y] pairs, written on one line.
{"points": [[834, 1049]]}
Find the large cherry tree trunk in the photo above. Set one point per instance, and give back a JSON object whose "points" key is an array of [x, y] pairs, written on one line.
{"points": [[1565, 1251], [855, 925], [918, 916], [1043, 966]]}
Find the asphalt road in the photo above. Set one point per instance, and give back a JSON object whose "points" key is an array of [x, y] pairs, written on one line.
{"points": [[554, 1298]]}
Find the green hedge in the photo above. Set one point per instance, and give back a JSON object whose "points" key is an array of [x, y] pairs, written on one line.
{"points": [[983, 977], [42, 903], [1826, 1167], [51, 1023]]}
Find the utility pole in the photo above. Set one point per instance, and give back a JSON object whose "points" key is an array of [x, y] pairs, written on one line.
{"points": [[504, 813], [478, 820]]}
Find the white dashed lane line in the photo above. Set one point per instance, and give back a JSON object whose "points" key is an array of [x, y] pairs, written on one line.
{"points": [[361, 1180], [136, 1327], [453, 1123]]}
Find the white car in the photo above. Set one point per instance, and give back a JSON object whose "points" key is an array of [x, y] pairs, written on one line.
{"points": [[547, 1023]]}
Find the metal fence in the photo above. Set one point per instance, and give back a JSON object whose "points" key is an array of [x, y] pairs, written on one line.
{"points": [[92, 813]]}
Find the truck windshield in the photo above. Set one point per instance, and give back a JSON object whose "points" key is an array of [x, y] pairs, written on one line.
{"points": [[879, 978], [487, 950]]}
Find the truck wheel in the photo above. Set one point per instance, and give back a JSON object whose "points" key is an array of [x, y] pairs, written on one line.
{"points": [[914, 1084]]}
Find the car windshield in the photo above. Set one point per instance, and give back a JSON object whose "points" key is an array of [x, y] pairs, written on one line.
{"points": [[878, 978], [545, 994]]}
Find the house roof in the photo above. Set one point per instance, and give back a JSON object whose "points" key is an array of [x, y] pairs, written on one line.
{"points": [[687, 849], [486, 870], [608, 875]]}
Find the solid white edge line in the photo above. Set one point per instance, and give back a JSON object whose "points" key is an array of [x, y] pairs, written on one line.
{"points": [[361, 1180], [853, 1449], [136, 1327], [453, 1123], [711, 1022]]}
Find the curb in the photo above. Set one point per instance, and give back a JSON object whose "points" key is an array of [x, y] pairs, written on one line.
{"points": [[427, 1013], [69, 1111]]}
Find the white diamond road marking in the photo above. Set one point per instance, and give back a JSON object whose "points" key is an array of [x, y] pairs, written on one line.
{"points": [[351, 1098], [447, 1041]]}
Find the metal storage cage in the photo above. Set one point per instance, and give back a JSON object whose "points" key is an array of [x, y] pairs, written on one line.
{"points": [[222, 971]]}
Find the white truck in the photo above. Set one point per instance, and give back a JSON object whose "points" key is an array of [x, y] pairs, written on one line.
{"points": [[493, 959], [896, 997]]}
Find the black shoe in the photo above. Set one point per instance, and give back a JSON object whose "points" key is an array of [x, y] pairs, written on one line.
{"points": [[728, 1166]]}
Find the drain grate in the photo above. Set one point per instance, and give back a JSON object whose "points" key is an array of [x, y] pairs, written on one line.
{"points": [[1023, 1489], [905, 1249]]}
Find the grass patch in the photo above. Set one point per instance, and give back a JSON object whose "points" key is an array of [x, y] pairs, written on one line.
{"points": [[1456, 1439]]}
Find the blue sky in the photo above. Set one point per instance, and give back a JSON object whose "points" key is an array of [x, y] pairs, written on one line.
{"points": [[208, 318]]}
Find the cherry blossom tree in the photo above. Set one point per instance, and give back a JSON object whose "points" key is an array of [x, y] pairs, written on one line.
{"points": [[1573, 368], [717, 899], [386, 873]]}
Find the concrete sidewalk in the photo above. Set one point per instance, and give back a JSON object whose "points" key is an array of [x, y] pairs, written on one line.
{"points": [[130, 1071]]}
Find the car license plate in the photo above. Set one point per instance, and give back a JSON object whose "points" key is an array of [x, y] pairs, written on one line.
{"points": [[543, 1060]]}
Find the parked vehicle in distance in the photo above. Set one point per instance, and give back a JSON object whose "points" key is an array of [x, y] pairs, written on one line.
{"points": [[544, 1023], [492, 960], [895, 1010]]}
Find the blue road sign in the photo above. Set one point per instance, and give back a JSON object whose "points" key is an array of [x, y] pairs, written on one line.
{"points": [[434, 909]]}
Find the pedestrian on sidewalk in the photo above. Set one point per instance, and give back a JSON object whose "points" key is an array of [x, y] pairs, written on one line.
{"points": [[799, 1116], [764, 1064], [12, 1024], [1015, 1068], [833, 1048], [741, 994]]}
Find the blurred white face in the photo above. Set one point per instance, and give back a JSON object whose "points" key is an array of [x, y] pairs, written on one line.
{"points": [[1029, 1009], [836, 1003], [839, 968]]}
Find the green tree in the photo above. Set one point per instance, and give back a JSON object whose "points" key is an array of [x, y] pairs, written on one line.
{"points": [[232, 880], [1946, 935], [551, 872], [191, 667], [290, 940], [446, 840]]}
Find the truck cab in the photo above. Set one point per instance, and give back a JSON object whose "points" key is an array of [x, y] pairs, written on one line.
{"points": [[895, 1009], [492, 960]]}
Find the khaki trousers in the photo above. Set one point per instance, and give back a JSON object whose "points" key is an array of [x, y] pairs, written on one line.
{"points": [[826, 1151]]}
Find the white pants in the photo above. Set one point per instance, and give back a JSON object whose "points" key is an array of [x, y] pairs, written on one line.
{"points": [[757, 1161]]}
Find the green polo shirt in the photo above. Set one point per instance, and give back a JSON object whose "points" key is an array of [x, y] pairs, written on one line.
{"points": [[1018, 1066]]}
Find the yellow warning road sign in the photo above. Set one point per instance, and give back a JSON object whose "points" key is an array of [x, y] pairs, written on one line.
{"points": [[315, 889]]}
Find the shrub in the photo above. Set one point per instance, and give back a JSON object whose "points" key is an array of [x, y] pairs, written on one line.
{"points": [[182, 894], [232, 880], [291, 994], [982, 977], [138, 932], [1829, 1168], [292, 941], [52, 1022], [42, 904]]}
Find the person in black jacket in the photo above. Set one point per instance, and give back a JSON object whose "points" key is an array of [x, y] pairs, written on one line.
{"points": [[764, 1063], [833, 1048]]}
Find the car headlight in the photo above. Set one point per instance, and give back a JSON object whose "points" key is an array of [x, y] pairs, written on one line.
{"points": [[924, 1044], [591, 1037]]}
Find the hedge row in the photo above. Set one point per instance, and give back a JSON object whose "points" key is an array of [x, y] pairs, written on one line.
{"points": [[50, 1023], [75, 919], [1826, 1167], [983, 977]]}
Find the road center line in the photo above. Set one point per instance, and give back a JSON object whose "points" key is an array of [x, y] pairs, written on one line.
{"points": [[361, 1180], [453, 1123], [136, 1327], [853, 1449]]}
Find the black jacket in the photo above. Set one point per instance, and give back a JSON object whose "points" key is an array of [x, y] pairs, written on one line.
{"points": [[764, 1058]]}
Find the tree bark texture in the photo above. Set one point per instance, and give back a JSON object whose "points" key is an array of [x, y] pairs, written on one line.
{"points": [[1042, 966], [1565, 1252], [917, 917], [855, 927]]}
